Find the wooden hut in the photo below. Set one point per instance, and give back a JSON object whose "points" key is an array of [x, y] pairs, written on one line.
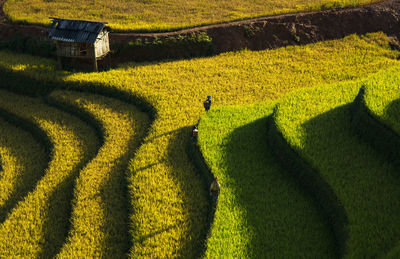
{"points": [[79, 42]]}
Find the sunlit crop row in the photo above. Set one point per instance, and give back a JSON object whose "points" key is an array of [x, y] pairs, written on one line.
{"points": [[100, 216], [382, 99], [161, 14], [37, 226], [169, 214], [262, 212], [23, 162], [316, 123]]}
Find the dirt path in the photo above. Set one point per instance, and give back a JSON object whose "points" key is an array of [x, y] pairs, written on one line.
{"points": [[291, 29], [265, 32]]}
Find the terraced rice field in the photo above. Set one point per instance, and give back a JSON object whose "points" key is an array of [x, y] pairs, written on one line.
{"points": [[100, 214], [161, 206], [156, 15], [364, 182], [377, 107], [316, 124], [37, 225], [23, 162], [262, 211]]}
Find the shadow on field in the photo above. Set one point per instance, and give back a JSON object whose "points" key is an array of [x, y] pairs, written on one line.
{"points": [[363, 179], [58, 206], [192, 194], [115, 204], [393, 111], [277, 209], [155, 233], [115, 198], [113, 190], [56, 224], [24, 184]]}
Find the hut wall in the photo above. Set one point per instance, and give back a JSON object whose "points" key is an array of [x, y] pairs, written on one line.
{"points": [[67, 49], [102, 45], [73, 49]]}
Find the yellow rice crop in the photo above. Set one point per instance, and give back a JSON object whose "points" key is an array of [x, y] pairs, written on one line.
{"points": [[100, 217], [37, 226], [161, 14], [169, 203], [23, 162]]}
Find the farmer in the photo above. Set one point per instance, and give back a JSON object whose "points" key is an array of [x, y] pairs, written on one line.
{"points": [[207, 103], [215, 187], [195, 134]]}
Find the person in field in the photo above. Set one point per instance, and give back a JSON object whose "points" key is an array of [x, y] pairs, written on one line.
{"points": [[195, 134], [215, 188], [207, 103]]}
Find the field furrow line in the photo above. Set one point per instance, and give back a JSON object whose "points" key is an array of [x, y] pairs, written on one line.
{"points": [[37, 227], [376, 119], [170, 205], [24, 161], [100, 215], [262, 211], [313, 183], [316, 123]]}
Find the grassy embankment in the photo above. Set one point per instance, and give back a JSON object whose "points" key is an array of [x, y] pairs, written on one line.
{"points": [[382, 99], [262, 211], [316, 123], [37, 226], [170, 205], [155, 15]]}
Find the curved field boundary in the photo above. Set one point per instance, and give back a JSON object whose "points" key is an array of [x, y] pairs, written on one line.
{"points": [[116, 240], [373, 131], [46, 210], [41, 137], [266, 32], [25, 161], [313, 183], [196, 158], [378, 135], [18, 81]]}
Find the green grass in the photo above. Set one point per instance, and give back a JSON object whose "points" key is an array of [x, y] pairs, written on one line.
{"points": [[316, 123], [382, 99], [262, 211], [151, 15], [38, 225], [23, 163], [169, 212], [100, 215]]}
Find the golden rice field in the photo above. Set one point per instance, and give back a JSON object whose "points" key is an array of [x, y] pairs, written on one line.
{"points": [[167, 204], [100, 215], [23, 162], [156, 15], [36, 226]]}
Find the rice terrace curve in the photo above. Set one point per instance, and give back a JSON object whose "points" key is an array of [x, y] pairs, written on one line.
{"points": [[300, 133]]}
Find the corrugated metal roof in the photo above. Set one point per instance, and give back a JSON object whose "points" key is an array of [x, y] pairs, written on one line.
{"points": [[75, 30]]}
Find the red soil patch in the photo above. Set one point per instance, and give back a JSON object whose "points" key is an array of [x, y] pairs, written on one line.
{"points": [[267, 32]]}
